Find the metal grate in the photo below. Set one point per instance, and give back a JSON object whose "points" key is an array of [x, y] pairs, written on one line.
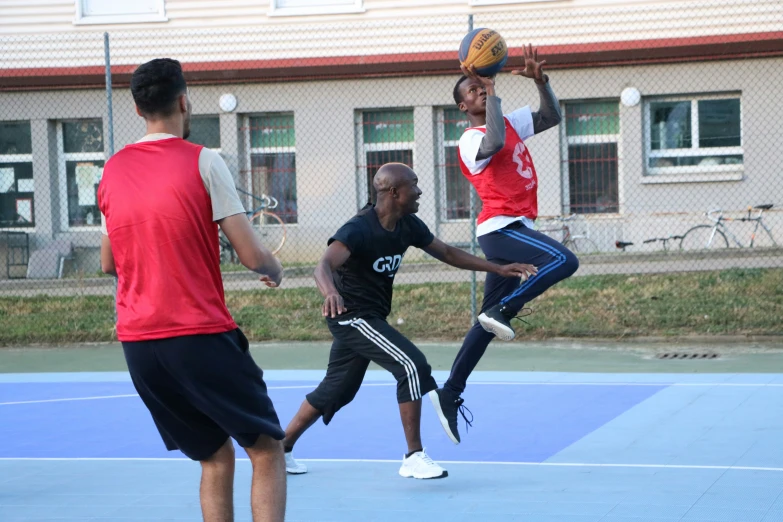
{"points": [[687, 355]]}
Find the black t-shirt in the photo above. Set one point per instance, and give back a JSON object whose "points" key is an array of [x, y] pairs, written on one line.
{"points": [[365, 280]]}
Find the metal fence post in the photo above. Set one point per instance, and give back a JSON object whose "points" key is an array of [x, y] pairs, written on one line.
{"points": [[110, 130], [110, 124], [472, 204]]}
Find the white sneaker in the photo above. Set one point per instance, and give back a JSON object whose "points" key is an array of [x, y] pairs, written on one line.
{"points": [[292, 466], [421, 466]]}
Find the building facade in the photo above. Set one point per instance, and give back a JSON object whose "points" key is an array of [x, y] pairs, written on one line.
{"points": [[670, 109]]}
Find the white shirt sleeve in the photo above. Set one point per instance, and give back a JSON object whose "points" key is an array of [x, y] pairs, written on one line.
{"points": [[469, 145], [104, 230], [522, 121], [219, 184]]}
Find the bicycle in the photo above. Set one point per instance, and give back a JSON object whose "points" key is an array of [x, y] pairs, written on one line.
{"points": [[575, 242], [702, 237], [622, 245], [268, 226]]}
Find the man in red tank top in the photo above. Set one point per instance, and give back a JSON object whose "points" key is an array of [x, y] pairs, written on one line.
{"points": [[494, 158], [162, 200]]}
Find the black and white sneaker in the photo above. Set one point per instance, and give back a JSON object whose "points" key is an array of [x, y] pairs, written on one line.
{"points": [[497, 320], [447, 406]]}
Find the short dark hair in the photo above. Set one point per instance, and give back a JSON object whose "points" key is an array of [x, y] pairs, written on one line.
{"points": [[457, 94], [156, 85]]}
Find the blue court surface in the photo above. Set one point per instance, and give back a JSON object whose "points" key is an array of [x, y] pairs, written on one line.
{"points": [[563, 447]]}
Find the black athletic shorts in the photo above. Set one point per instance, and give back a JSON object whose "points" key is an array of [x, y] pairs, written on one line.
{"points": [[357, 341], [202, 389]]}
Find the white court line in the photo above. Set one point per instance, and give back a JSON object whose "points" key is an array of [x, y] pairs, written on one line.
{"points": [[67, 399], [489, 383], [387, 461]]}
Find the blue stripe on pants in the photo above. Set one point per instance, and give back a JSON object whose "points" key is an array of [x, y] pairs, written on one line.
{"points": [[513, 244], [558, 260]]}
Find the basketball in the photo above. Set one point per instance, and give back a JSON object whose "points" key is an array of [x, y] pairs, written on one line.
{"points": [[485, 49]]}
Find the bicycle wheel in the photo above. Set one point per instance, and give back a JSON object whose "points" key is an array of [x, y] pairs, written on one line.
{"points": [[270, 229], [582, 245], [703, 237]]}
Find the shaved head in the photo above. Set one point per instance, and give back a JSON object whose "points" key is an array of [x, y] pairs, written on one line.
{"points": [[391, 175], [396, 187]]}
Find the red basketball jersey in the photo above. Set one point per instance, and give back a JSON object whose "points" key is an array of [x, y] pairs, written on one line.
{"points": [[508, 185], [165, 244]]}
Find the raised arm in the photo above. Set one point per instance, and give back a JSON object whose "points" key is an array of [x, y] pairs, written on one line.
{"points": [[251, 252], [495, 137], [335, 256], [548, 114], [461, 259]]}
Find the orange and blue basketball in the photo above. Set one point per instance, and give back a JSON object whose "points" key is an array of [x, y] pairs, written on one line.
{"points": [[485, 49]]}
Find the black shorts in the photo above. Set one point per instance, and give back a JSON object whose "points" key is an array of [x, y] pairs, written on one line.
{"points": [[357, 341], [202, 389]]}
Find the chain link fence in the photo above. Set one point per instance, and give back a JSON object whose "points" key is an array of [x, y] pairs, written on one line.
{"points": [[667, 158]]}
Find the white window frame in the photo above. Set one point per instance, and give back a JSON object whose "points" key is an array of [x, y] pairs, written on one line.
{"points": [[442, 143], [591, 139], [362, 148], [506, 2], [84, 19], [62, 158], [20, 158], [356, 7], [694, 173], [248, 185]]}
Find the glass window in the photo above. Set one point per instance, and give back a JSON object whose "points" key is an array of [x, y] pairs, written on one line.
{"points": [[592, 132], [119, 11], [694, 135], [272, 169], [205, 130], [671, 125], [454, 187], [15, 138], [312, 7], [82, 179], [16, 175], [81, 161], [503, 2], [719, 123], [592, 119], [384, 136]]}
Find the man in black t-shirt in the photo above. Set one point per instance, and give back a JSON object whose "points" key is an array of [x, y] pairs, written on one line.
{"points": [[355, 276]]}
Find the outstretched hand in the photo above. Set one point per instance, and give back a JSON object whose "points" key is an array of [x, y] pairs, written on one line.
{"points": [[521, 270], [533, 68]]}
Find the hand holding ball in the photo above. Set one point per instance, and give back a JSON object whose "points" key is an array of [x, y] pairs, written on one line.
{"points": [[485, 49]]}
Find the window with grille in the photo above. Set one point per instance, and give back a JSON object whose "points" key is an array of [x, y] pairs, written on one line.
{"points": [[590, 150], [271, 168], [16, 175], [383, 137], [454, 188], [80, 160], [693, 135]]}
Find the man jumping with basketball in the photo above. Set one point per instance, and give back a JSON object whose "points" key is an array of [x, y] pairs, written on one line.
{"points": [[494, 158], [356, 277], [162, 200]]}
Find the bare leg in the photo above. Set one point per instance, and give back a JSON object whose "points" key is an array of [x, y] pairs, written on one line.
{"points": [[268, 491], [304, 418], [410, 414], [217, 485]]}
